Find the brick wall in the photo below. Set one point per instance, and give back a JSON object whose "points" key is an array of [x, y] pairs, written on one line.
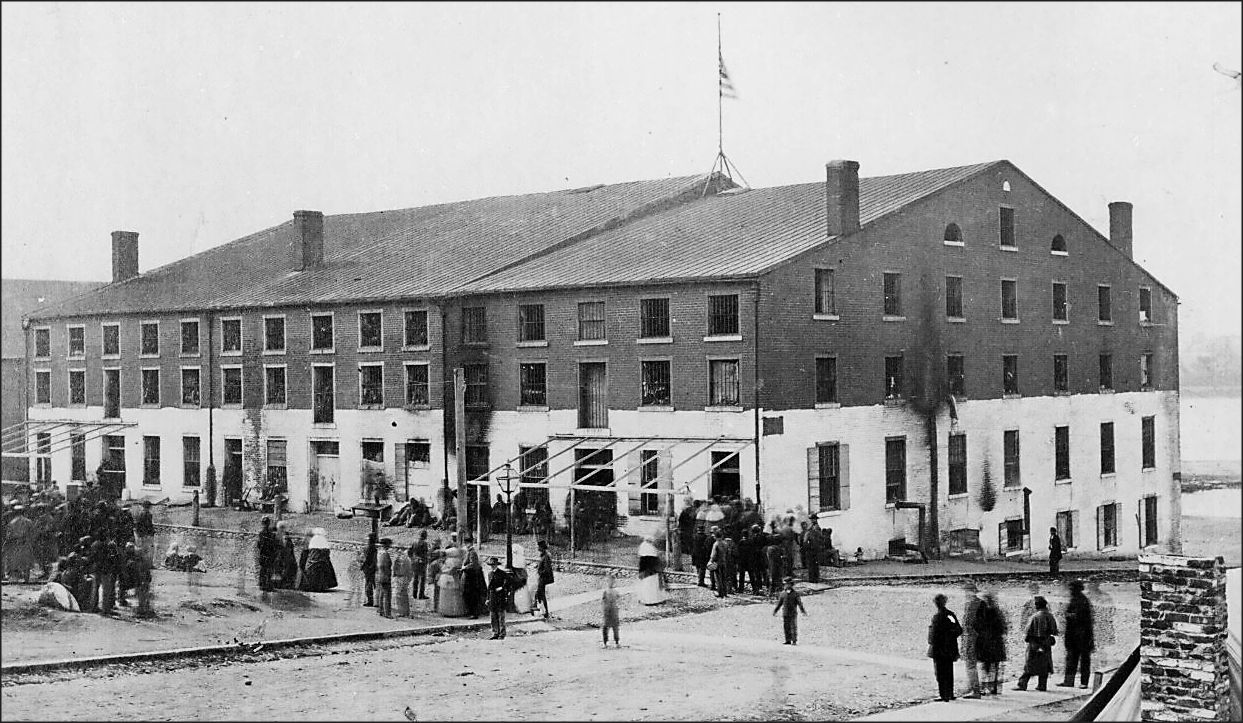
{"points": [[1182, 638]]}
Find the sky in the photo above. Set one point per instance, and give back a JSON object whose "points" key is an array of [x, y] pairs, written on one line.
{"points": [[195, 124]]}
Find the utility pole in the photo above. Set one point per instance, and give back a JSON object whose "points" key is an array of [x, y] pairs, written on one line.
{"points": [[459, 439]]}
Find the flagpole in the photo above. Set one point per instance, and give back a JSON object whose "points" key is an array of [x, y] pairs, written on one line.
{"points": [[720, 94]]}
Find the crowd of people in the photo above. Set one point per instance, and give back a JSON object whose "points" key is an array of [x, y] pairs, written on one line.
{"points": [[983, 630], [90, 552], [729, 544]]}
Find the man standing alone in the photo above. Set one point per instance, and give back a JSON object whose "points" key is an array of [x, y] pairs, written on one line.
{"points": [[789, 602], [1078, 637], [943, 646], [498, 597], [1055, 550]]}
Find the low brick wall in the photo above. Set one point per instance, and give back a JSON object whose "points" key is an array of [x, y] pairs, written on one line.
{"points": [[1182, 638]]}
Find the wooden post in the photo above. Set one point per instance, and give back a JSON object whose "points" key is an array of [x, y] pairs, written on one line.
{"points": [[459, 427]]}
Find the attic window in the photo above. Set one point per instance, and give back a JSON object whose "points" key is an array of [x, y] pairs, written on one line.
{"points": [[1005, 186], [953, 234], [1059, 244]]}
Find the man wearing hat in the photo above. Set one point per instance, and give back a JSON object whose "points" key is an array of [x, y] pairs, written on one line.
{"points": [[384, 578], [813, 541], [789, 602], [971, 610], [1079, 637], [499, 585], [544, 578]]}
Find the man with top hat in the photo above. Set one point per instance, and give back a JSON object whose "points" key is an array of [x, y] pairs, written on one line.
{"points": [[789, 602], [499, 585]]}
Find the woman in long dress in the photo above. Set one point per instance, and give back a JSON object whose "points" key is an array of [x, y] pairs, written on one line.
{"points": [[651, 590], [990, 640], [318, 573]]}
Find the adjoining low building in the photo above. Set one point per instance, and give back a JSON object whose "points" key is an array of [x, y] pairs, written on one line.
{"points": [[19, 297], [954, 346]]}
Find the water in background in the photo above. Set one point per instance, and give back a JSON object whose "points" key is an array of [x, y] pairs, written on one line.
{"points": [[1213, 503], [1211, 428]]}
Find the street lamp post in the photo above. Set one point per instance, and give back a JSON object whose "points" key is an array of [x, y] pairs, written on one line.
{"points": [[506, 480]]}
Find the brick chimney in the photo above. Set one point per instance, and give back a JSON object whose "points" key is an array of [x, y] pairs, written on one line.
{"points": [[124, 255], [841, 191], [306, 249], [1120, 227]]}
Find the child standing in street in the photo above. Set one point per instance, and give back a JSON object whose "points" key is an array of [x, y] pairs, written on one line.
{"points": [[608, 603], [789, 602]]}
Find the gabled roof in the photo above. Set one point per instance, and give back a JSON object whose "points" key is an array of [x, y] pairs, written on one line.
{"points": [[728, 235], [409, 253], [25, 296]]}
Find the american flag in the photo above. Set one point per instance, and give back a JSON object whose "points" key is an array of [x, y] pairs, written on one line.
{"points": [[726, 86]]}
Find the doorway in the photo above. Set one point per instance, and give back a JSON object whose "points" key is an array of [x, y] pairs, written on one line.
{"points": [[593, 398], [726, 475], [322, 480], [231, 478]]}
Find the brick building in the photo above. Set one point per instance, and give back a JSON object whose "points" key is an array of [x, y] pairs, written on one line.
{"points": [[956, 335]]}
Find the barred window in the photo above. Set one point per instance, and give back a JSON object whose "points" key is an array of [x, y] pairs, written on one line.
{"points": [[1007, 227], [191, 463], [953, 297], [417, 388], [274, 333], [476, 384], [190, 338], [893, 377], [43, 343], [533, 384], [1148, 434], [723, 382], [274, 385], [474, 324], [829, 482], [77, 341], [278, 474], [323, 394], [190, 383], [43, 387], [656, 385], [231, 335], [371, 385], [1059, 302], [531, 322], [591, 320], [653, 318], [1009, 299], [370, 330], [151, 386], [111, 340], [722, 314], [415, 328]]}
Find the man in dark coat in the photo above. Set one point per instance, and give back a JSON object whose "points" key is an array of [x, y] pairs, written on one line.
{"points": [[1055, 550], [418, 567], [774, 556], [1078, 637], [500, 583], [384, 578], [969, 614], [943, 635], [789, 602], [701, 550], [144, 530], [544, 578], [269, 552], [686, 529], [1039, 635], [367, 565], [812, 543], [744, 559]]}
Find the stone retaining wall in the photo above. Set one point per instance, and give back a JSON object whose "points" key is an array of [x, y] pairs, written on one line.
{"points": [[1182, 638]]}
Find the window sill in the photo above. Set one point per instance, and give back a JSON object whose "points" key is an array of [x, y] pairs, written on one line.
{"points": [[1061, 322], [1007, 248], [1016, 487], [276, 406], [1148, 469], [1059, 253], [655, 408], [591, 342], [959, 495], [151, 485], [149, 356], [417, 407], [1011, 396], [230, 353], [380, 349], [892, 317], [149, 406], [826, 317], [371, 407], [1108, 475], [1061, 392], [723, 337], [478, 406], [956, 319], [43, 405], [82, 357], [77, 405], [183, 405], [324, 425], [273, 352], [1062, 481], [894, 401], [1105, 390], [593, 431], [1100, 322], [46, 358], [323, 351], [956, 244], [723, 408], [189, 356], [533, 408], [532, 343], [417, 347], [230, 406], [1006, 320], [828, 405], [829, 512], [654, 340], [106, 357]]}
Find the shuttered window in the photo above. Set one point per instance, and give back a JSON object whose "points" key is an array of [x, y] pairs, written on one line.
{"points": [[895, 469], [593, 399], [1061, 453], [1067, 523], [953, 297], [1107, 526], [191, 464], [828, 477], [1107, 448], [826, 292], [1059, 302], [723, 382]]}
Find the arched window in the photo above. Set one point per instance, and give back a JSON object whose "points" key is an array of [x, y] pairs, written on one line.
{"points": [[953, 234], [1059, 243], [1005, 186]]}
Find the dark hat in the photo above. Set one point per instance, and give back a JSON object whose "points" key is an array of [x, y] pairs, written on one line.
{"points": [[543, 544], [493, 561], [1076, 585], [386, 541], [814, 516]]}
